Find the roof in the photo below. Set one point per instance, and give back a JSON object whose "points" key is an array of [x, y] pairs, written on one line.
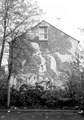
{"points": [[56, 29]]}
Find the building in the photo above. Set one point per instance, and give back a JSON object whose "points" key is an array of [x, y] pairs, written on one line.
{"points": [[55, 49]]}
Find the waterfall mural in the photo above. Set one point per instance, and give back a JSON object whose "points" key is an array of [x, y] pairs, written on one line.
{"points": [[54, 51]]}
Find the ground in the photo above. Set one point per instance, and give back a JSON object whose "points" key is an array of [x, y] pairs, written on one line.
{"points": [[62, 115]]}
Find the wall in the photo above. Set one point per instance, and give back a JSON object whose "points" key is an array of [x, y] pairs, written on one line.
{"points": [[55, 54]]}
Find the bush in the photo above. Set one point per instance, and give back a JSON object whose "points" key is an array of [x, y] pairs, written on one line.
{"points": [[26, 96], [50, 99], [3, 96], [36, 97], [15, 97]]}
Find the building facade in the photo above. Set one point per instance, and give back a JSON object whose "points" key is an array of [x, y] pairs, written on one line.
{"points": [[54, 50]]}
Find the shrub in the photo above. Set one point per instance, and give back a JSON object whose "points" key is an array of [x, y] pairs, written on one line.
{"points": [[3, 96], [15, 97], [50, 99], [36, 97], [26, 96]]}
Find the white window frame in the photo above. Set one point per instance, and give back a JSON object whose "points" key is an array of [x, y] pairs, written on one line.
{"points": [[43, 33]]}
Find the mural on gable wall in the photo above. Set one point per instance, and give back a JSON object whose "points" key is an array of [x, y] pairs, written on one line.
{"points": [[53, 55]]}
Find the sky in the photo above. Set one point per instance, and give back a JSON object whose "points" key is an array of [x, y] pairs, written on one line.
{"points": [[70, 12]]}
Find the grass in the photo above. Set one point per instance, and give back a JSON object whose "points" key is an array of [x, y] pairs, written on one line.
{"points": [[40, 116]]}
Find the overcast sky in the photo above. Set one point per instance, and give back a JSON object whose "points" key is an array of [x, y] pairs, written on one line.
{"points": [[70, 12]]}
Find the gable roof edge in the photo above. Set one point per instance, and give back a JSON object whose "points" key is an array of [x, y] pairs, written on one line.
{"points": [[57, 29]]}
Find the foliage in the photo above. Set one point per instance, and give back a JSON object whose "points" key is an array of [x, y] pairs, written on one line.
{"points": [[3, 95], [21, 54], [19, 15], [15, 95], [36, 97], [50, 99], [27, 96], [33, 97], [16, 17]]}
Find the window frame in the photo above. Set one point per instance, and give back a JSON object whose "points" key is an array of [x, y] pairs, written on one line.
{"points": [[43, 33]]}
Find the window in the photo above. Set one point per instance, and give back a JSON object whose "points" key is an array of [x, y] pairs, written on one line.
{"points": [[43, 33]]}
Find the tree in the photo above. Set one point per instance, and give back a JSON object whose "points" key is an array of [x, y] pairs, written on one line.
{"points": [[75, 77], [16, 17]]}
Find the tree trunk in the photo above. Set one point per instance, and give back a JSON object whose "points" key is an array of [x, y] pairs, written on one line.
{"points": [[3, 45], [9, 72], [8, 83], [2, 51], [8, 92], [4, 35]]}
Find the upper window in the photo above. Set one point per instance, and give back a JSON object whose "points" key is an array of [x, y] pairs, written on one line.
{"points": [[43, 33]]}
